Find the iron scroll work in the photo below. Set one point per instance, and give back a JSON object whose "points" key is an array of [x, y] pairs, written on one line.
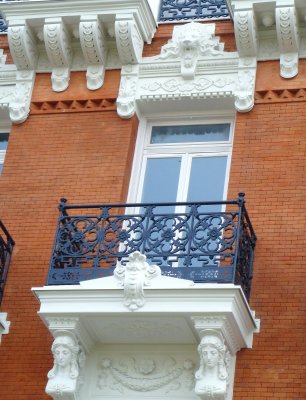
{"points": [[181, 10], [195, 242]]}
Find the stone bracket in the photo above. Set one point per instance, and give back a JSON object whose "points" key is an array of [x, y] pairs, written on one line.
{"points": [[19, 104], [245, 87], [128, 39], [288, 40], [246, 33], [93, 43], [126, 106], [22, 44], [59, 51]]}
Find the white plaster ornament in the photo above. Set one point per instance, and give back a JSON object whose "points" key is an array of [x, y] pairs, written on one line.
{"points": [[134, 276], [212, 376], [63, 377]]}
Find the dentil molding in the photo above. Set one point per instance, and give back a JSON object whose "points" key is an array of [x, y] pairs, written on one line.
{"points": [[192, 66]]}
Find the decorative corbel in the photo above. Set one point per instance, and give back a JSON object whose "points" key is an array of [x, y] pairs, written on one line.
{"points": [[246, 33], [128, 38], [245, 85], [93, 43], [126, 107], [217, 356], [19, 105], [288, 40], [58, 47], [22, 44]]}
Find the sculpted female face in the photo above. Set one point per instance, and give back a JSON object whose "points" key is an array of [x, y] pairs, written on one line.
{"points": [[210, 356], [62, 356]]}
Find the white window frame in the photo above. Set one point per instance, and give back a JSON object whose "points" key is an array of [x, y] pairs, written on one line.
{"points": [[144, 150]]}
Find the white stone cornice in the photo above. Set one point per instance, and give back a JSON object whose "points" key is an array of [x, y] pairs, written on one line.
{"points": [[94, 47], [128, 38], [288, 40], [22, 44], [59, 51]]}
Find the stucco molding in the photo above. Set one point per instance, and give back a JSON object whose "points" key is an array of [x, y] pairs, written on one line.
{"points": [[192, 66], [94, 47]]}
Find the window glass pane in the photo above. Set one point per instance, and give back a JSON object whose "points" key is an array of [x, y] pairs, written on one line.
{"points": [[161, 181], [207, 180], [1, 167], [190, 133], [3, 140]]}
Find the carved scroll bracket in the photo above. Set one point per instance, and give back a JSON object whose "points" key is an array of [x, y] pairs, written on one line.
{"points": [[19, 105], [126, 106], [22, 44], [94, 47], [245, 86], [246, 33], [59, 51], [129, 39], [288, 40], [4, 325]]}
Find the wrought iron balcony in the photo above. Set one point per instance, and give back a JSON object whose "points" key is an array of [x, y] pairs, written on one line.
{"points": [[180, 10], [6, 249], [204, 242]]}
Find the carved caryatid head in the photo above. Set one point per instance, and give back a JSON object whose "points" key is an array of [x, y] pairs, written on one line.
{"points": [[212, 376], [65, 352]]}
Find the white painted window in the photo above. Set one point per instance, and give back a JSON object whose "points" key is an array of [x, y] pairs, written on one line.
{"points": [[4, 136], [178, 161]]}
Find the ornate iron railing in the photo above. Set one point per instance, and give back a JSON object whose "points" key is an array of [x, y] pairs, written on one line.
{"points": [[203, 242], [6, 249], [180, 10], [3, 26]]}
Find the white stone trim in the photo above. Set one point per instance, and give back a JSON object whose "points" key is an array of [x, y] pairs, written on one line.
{"points": [[192, 67]]}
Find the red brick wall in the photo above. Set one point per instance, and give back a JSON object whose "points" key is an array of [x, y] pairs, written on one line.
{"points": [[269, 165], [84, 156]]}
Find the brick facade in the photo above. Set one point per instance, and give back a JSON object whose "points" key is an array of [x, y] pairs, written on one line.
{"points": [[74, 145]]}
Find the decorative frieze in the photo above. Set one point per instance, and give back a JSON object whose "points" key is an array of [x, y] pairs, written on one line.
{"points": [[70, 106]]}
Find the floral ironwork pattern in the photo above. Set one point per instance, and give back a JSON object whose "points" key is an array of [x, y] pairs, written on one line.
{"points": [[177, 10], [6, 249], [199, 244]]}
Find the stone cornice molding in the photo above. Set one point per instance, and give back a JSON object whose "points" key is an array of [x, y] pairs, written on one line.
{"points": [[271, 31], [192, 66]]}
